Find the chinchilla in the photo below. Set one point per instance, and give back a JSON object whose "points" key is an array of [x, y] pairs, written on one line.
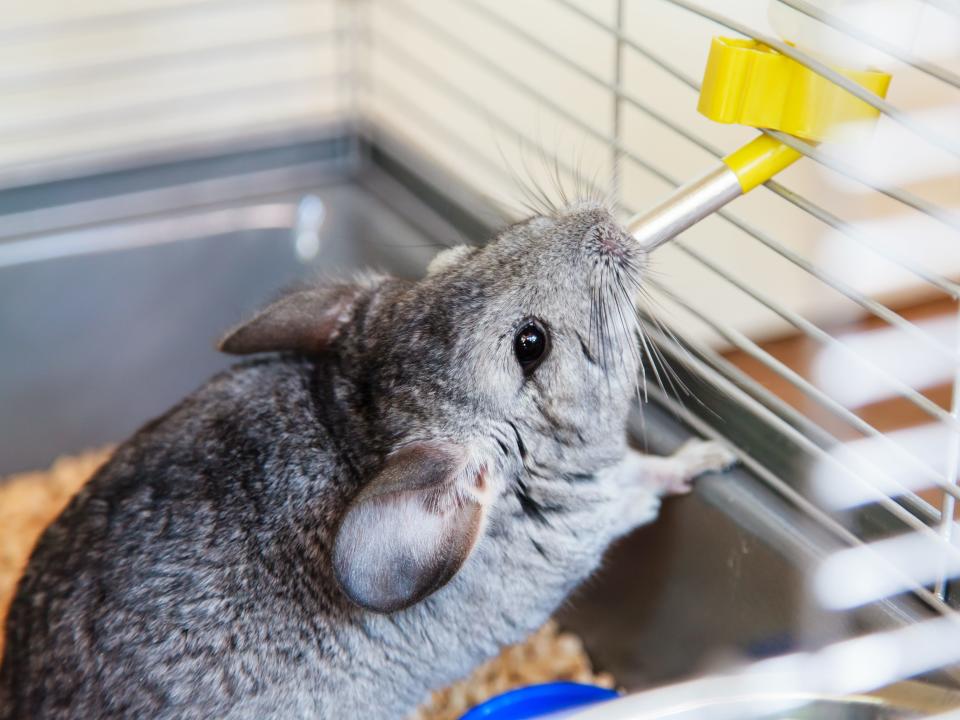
{"points": [[412, 475]]}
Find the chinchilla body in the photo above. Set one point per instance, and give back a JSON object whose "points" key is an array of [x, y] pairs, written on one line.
{"points": [[416, 475]]}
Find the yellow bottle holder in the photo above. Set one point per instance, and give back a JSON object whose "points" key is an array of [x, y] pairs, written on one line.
{"points": [[748, 83]]}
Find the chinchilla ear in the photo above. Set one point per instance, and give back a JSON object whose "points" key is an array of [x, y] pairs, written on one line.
{"points": [[305, 321], [449, 257], [411, 529]]}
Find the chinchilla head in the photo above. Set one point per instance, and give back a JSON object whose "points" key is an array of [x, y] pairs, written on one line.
{"points": [[523, 350], [538, 327]]}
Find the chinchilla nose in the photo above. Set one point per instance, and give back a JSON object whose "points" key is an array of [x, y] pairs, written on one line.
{"points": [[609, 238]]}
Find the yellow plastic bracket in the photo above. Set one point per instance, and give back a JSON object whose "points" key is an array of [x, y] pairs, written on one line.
{"points": [[759, 160], [748, 83]]}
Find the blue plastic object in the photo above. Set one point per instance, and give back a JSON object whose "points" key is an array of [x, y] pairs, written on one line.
{"points": [[539, 700]]}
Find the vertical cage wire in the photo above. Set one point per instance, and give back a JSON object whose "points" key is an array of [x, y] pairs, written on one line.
{"points": [[947, 511], [616, 156]]}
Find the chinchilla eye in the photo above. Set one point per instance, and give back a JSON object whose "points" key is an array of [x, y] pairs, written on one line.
{"points": [[530, 345]]}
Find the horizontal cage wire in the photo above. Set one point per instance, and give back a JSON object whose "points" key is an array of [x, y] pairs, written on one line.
{"points": [[150, 81], [916, 489]]}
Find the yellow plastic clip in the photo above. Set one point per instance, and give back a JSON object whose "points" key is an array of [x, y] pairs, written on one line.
{"points": [[748, 83], [759, 160]]}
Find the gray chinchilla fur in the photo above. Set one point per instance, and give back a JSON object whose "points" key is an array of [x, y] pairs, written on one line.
{"points": [[416, 475]]}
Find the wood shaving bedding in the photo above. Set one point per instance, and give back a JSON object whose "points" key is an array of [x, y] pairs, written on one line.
{"points": [[30, 501]]}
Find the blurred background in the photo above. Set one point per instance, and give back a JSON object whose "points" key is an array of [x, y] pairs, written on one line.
{"points": [[166, 166]]}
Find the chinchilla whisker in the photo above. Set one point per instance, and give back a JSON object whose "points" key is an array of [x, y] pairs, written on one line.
{"points": [[593, 192], [532, 190], [623, 296], [626, 336], [605, 193], [605, 318], [574, 170], [656, 357], [620, 316], [536, 202], [584, 192], [649, 271], [529, 203], [686, 389], [531, 207], [539, 161], [608, 353], [509, 211], [644, 441], [594, 329], [649, 353], [596, 192], [551, 174], [655, 308], [664, 330], [596, 334], [676, 387], [667, 365], [637, 341], [551, 167], [548, 206], [601, 321], [640, 343], [578, 183], [627, 298]]}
